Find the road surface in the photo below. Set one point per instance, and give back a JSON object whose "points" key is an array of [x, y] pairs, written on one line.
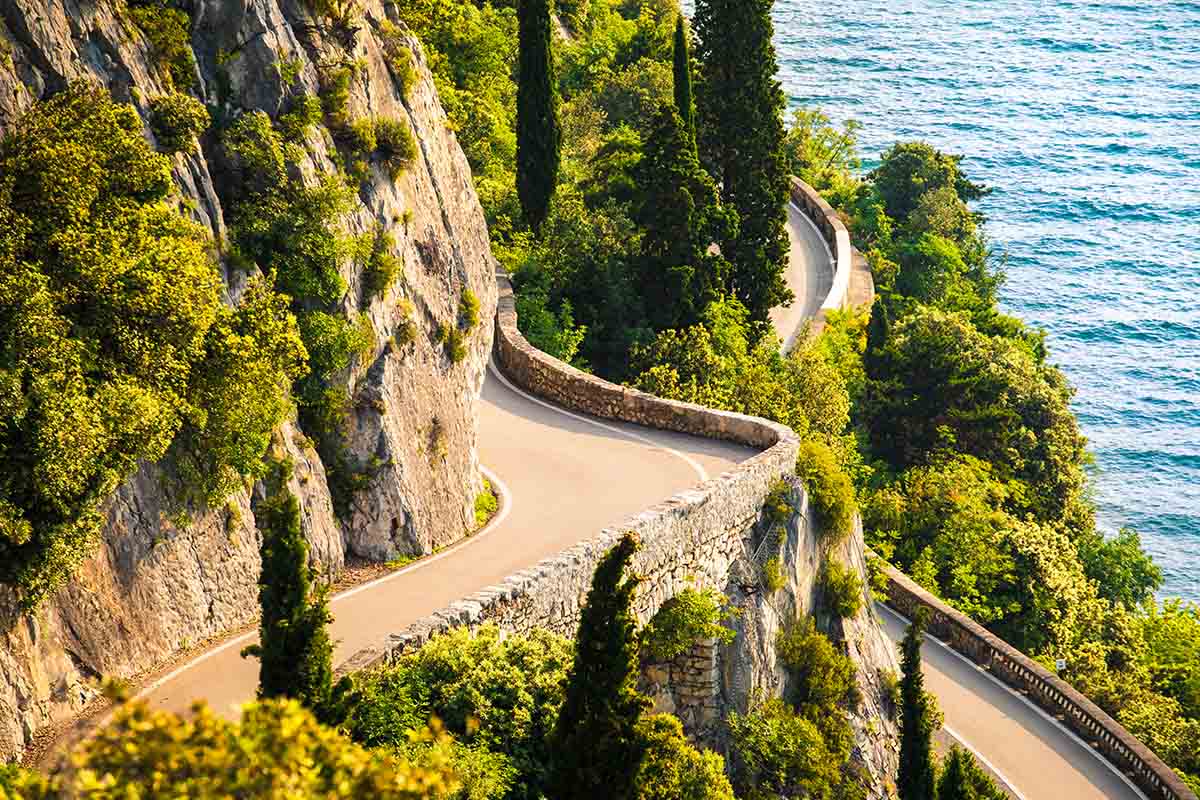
{"points": [[563, 477], [809, 276]]}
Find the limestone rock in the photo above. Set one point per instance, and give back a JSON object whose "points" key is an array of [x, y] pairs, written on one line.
{"points": [[154, 586]]}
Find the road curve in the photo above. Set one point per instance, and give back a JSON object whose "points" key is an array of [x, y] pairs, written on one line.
{"points": [[565, 477], [1036, 756], [809, 275]]}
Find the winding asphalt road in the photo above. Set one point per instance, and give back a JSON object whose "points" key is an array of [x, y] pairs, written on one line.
{"points": [[563, 477]]}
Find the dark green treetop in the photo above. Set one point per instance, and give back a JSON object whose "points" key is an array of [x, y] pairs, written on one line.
{"points": [[684, 103], [596, 746], [681, 216], [294, 650], [962, 779], [916, 779], [539, 136], [740, 105]]}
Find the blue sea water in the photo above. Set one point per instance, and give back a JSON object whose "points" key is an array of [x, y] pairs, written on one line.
{"points": [[1085, 117]]}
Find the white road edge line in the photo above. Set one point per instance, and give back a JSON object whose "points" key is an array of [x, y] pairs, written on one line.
{"points": [[506, 502], [695, 465], [958, 737], [820, 236], [1038, 709]]}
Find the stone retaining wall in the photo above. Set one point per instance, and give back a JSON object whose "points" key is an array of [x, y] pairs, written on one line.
{"points": [[690, 539], [852, 281], [1051, 693]]}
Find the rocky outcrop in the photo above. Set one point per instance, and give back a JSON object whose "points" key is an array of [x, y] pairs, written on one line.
{"points": [[161, 582], [704, 685]]}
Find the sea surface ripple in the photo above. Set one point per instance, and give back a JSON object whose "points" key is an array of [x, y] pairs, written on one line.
{"points": [[1085, 117]]}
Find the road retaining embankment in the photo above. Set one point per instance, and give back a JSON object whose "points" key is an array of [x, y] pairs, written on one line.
{"points": [[692, 538], [1051, 693]]}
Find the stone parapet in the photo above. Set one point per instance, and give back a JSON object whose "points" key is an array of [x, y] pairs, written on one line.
{"points": [[852, 282], [1050, 692]]}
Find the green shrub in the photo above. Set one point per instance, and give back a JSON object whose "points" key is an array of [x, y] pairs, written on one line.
{"points": [[177, 119], [279, 750], [335, 95], [468, 310], [168, 30], [382, 267], [361, 136], [829, 489], [503, 694], [821, 676], [843, 588], [778, 752], [773, 576], [889, 682], [776, 508], [303, 115], [399, 56], [684, 620], [454, 341], [406, 328], [342, 13], [396, 146], [486, 505], [673, 769]]}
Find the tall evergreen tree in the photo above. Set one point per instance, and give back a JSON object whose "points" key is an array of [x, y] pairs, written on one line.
{"points": [[962, 779], [681, 217], [596, 747], [916, 780], [539, 135], [294, 651], [684, 103], [740, 105]]}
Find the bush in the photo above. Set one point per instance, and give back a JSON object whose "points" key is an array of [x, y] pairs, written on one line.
{"points": [[777, 752], [406, 328], [110, 344], [303, 115], [843, 588], [684, 620], [672, 769], [486, 505], [396, 146], [468, 310], [277, 750], [168, 30], [382, 267], [829, 489], [821, 676], [776, 508], [335, 95], [773, 576], [456, 345], [177, 119], [399, 56], [500, 694]]}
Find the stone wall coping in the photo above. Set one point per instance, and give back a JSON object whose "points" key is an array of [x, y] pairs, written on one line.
{"points": [[1050, 692]]}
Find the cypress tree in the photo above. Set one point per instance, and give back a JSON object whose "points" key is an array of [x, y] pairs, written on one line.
{"points": [[684, 103], [596, 747], [680, 216], [294, 651], [916, 777], [962, 779], [740, 106], [539, 136]]}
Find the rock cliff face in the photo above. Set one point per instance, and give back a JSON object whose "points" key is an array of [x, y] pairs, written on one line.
{"points": [[156, 585]]}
